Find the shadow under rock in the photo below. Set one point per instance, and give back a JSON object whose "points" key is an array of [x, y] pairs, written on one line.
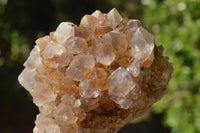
{"points": [[153, 125]]}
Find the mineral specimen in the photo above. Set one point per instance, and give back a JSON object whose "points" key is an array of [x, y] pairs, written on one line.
{"points": [[95, 77]]}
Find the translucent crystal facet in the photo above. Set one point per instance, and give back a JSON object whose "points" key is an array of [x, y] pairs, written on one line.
{"points": [[79, 65], [45, 124], [120, 82], [88, 89], [52, 50], [95, 77], [27, 78], [113, 18], [100, 16], [141, 40], [64, 31], [104, 54], [89, 21], [34, 60], [75, 45]]}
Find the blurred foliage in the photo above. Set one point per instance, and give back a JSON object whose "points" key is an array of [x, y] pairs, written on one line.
{"points": [[175, 24]]}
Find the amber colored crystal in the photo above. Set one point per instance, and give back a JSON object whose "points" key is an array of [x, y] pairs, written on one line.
{"points": [[95, 77]]}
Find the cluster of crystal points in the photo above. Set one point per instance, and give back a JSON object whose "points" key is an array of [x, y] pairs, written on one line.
{"points": [[95, 77]]}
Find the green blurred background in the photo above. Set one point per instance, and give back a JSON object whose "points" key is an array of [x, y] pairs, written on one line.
{"points": [[175, 24]]}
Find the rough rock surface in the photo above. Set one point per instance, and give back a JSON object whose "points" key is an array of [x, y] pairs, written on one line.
{"points": [[95, 77]]}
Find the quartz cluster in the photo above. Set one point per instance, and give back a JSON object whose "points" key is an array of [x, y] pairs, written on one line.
{"points": [[95, 77]]}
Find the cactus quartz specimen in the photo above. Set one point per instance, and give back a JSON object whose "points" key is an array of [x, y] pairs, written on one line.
{"points": [[95, 77]]}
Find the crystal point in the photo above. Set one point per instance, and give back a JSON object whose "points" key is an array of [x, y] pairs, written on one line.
{"points": [[113, 18], [89, 21], [34, 59], [64, 31], [120, 82], [27, 79]]}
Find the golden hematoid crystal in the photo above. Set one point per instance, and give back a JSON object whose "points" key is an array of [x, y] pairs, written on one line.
{"points": [[95, 77]]}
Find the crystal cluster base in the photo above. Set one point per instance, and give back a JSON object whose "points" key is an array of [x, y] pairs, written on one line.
{"points": [[95, 77]]}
